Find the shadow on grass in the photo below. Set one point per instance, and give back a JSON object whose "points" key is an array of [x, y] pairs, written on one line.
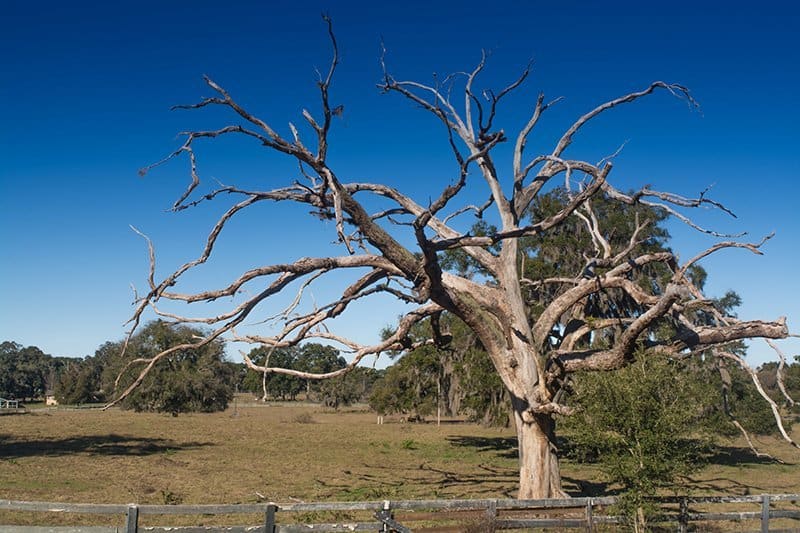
{"points": [[722, 485], [100, 445], [735, 455], [714, 455], [441, 480], [504, 446], [382, 481], [582, 488]]}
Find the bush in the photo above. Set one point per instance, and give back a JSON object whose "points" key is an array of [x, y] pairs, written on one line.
{"points": [[645, 426]]}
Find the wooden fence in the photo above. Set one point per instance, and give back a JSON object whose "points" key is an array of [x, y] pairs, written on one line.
{"points": [[588, 514], [9, 404], [10, 407]]}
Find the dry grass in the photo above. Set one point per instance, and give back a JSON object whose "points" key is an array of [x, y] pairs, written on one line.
{"points": [[296, 452], [268, 452]]}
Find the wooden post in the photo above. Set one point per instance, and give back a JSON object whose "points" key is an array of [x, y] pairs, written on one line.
{"points": [[269, 521], [388, 521], [491, 512], [765, 513], [683, 517], [132, 519], [589, 516], [386, 513]]}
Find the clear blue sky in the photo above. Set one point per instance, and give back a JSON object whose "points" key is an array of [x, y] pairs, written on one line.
{"points": [[85, 91]]}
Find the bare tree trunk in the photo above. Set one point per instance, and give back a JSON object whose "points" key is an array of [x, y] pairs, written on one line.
{"points": [[539, 474]]}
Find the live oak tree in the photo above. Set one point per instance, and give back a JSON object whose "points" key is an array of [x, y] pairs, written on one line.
{"points": [[24, 371], [312, 358], [410, 385], [82, 380], [547, 257], [399, 252], [189, 379], [454, 378]]}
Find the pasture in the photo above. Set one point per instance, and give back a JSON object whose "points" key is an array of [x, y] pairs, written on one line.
{"points": [[300, 452]]}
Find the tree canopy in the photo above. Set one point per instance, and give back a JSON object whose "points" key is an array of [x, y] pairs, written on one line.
{"points": [[26, 372], [192, 378]]}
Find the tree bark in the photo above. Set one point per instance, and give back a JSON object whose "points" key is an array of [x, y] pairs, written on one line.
{"points": [[539, 473]]}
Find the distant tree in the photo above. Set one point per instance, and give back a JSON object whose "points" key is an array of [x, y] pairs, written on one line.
{"points": [[253, 381], [276, 386], [484, 399], [768, 375], [190, 379], [743, 407], [355, 386], [81, 380], [317, 358], [24, 371], [792, 380], [792, 385], [409, 386], [239, 373], [309, 358], [469, 383], [465, 380]]}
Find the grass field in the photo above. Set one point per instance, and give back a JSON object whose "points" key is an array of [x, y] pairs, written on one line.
{"points": [[296, 452]]}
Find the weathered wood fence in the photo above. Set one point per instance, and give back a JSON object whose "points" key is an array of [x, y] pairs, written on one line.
{"points": [[10, 407], [9, 404], [588, 514]]}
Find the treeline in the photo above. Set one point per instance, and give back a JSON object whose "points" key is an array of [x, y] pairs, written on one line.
{"points": [[354, 386], [191, 379], [458, 379], [187, 380], [26, 373], [453, 378]]}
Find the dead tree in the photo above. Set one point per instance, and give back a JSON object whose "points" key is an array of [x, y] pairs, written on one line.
{"points": [[531, 354]]}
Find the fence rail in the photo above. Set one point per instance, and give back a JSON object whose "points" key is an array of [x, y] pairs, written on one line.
{"points": [[9, 404], [580, 513]]}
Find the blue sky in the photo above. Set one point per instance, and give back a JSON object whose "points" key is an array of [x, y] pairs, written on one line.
{"points": [[85, 91]]}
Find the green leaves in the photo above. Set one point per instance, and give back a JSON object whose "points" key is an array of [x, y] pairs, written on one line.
{"points": [[24, 371], [196, 379], [315, 358], [460, 376], [644, 424], [410, 385]]}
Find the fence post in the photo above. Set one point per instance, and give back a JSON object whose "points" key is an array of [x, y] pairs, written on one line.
{"points": [[387, 519], [491, 511], [683, 517], [269, 519], [132, 519], [765, 513], [589, 515]]}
